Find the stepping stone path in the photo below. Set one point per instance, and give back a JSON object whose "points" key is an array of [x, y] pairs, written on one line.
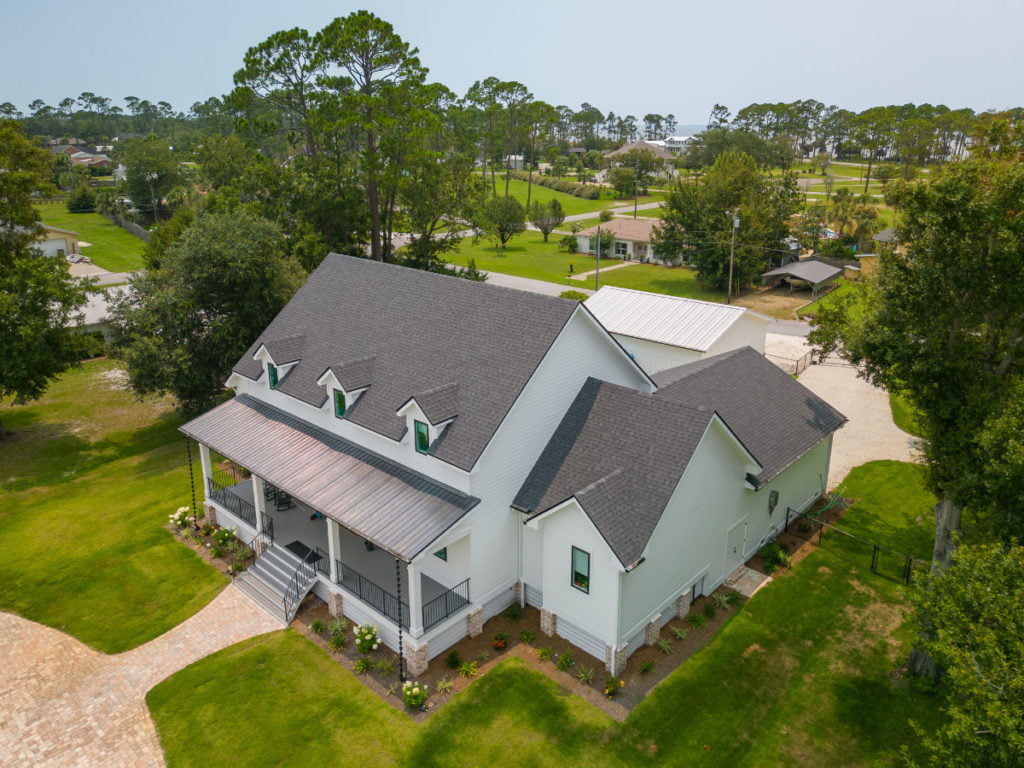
{"points": [[64, 704]]}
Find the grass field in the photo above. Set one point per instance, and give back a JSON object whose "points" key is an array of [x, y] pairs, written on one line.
{"points": [[89, 475], [110, 247], [809, 311], [803, 676], [904, 414], [570, 204]]}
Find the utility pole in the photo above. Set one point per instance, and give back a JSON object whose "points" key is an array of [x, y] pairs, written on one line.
{"points": [[635, 193], [732, 250], [597, 271]]}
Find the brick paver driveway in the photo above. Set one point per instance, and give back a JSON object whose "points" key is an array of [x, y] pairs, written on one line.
{"points": [[64, 704]]}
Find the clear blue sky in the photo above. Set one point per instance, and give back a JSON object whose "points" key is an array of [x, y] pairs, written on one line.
{"points": [[664, 56]]}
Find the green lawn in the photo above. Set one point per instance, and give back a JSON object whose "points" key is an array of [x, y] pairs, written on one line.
{"points": [[904, 414], [110, 246], [88, 477], [845, 286], [802, 676], [570, 204]]}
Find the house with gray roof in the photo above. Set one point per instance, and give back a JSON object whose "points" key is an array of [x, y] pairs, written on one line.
{"points": [[420, 451]]}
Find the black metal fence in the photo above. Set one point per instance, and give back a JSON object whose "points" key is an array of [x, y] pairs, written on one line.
{"points": [[443, 606], [886, 562]]}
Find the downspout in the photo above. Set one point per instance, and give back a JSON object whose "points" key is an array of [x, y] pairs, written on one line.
{"points": [[519, 557]]}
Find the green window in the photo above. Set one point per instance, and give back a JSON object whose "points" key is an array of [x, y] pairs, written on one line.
{"points": [[422, 436], [442, 553], [581, 570], [272, 375], [339, 403]]}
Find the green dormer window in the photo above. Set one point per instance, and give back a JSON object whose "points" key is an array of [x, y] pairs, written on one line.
{"points": [[422, 436], [272, 375], [339, 403]]}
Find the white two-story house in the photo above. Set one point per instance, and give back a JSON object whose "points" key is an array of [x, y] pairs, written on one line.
{"points": [[426, 450]]}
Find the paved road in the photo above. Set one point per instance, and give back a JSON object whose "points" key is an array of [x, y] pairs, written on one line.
{"points": [[788, 328], [64, 704]]}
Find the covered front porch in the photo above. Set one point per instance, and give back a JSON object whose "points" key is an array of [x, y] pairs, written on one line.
{"points": [[384, 539], [360, 568]]}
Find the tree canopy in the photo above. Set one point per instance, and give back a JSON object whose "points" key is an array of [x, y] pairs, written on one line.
{"points": [[39, 300], [184, 325]]}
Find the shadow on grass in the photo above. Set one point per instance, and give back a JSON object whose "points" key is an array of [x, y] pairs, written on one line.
{"points": [[59, 455]]}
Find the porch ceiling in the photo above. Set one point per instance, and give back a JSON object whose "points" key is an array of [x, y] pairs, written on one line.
{"points": [[397, 510]]}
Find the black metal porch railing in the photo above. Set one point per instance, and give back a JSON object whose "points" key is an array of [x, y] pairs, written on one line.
{"points": [[298, 585], [323, 563], [219, 484], [257, 545], [443, 606], [375, 596]]}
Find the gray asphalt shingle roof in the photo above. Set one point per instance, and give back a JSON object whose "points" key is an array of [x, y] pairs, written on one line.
{"points": [[776, 417], [621, 454], [396, 509], [425, 331]]}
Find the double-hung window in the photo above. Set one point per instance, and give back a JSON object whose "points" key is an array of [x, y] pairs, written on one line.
{"points": [[339, 403], [581, 570], [422, 436]]}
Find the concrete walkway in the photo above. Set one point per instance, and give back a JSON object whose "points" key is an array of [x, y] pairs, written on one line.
{"points": [[870, 433], [64, 704], [591, 273]]}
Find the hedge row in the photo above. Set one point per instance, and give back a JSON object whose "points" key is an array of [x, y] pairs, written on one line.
{"points": [[586, 191]]}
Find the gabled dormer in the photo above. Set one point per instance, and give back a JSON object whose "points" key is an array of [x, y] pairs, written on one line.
{"points": [[429, 413], [344, 384], [279, 357]]}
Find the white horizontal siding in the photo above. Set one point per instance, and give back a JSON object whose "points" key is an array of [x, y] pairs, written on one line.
{"points": [[749, 330], [534, 597], [654, 356], [579, 637]]}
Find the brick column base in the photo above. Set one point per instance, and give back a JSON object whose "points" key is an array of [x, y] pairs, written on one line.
{"points": [[209, 514], [415, 659], [652, 631], [683, 605], [614, 659], [548, 622], [334, 603], [517, 594], [475, 622]]}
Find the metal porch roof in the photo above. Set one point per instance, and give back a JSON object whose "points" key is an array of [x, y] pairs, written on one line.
{"points": [[394, 508]]}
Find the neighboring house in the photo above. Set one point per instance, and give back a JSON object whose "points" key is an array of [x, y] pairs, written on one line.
{"points": [[58, 242], [96, 312], [632, 238], [662, 332], [677, 144], [867, 263], [427, 450], [809, 273]]}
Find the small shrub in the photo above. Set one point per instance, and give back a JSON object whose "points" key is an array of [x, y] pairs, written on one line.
{"points": [[500, 640], [223, 536], [317, 626], [564, 661], [367, 638], [237, 567], [695, 620], [216, 551], [647, 667], [664, 646], [569, 243], [545, 653], [452, 660], [337, 642], [467, 669], [514, 611], [362, 665], [444, 685], [585, 675], [612, 686], [392, 688], [709, 610], [82, 200], [574, 295], [207, 529], [605, 215], [338, 626], [386, 667], [679, 633], [181, 518], [774, 557], [527, 636], [414, 694], [803, 527], [483, 656]]}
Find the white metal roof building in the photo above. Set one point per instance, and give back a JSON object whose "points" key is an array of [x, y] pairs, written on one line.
{"points": [[662, 332]]}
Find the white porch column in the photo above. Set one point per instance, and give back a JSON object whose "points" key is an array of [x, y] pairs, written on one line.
{"points": [[415, 602], [258, 501], [334, 547], [204, 461]]}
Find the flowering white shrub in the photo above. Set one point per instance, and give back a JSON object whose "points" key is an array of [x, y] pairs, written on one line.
{"points": [[181, 518], [366, 638], [414, 694]]}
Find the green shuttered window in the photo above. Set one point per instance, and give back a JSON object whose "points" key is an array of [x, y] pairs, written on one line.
{"points": [[272, 375], [422, 436], [339, 403]]}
